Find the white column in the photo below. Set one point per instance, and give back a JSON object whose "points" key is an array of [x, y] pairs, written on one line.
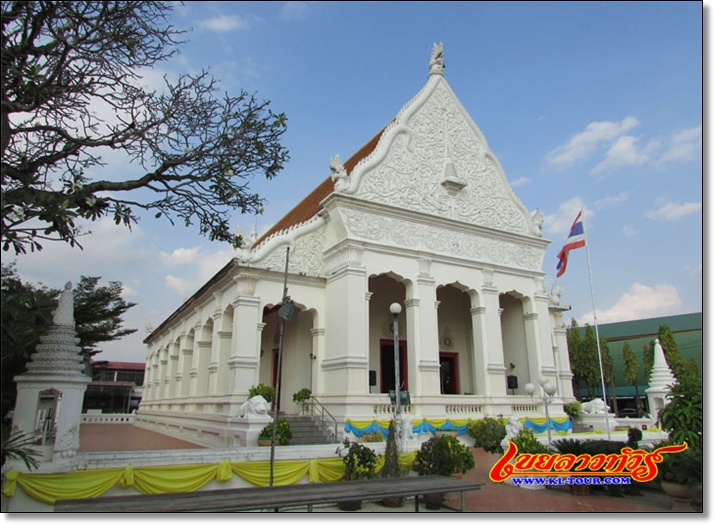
{"points": [[245, 344], [346, 356], [195, 354], [187, 354], [481, 349], [561, 356], [179, 375], [496, 382], [215, 350], [423, 338], [165, 374]]}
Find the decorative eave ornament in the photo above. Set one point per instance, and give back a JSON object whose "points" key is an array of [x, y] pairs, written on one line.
{"points": [[436, 61], [338, 174]]}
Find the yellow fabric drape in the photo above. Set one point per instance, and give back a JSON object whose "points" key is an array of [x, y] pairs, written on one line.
{"points": [[173, 478], [48, 488], [284, 472]]}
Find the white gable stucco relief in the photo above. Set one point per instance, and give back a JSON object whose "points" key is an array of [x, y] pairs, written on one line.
{"points": [[431, 141]]}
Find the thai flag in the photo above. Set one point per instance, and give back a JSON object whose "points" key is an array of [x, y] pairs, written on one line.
{"points": [[576, 239]]}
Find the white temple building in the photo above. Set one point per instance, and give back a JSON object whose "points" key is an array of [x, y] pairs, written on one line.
{"points": [[422, 215]]}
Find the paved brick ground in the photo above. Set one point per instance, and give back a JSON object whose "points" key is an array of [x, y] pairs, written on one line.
{"points": [[98, 437]]}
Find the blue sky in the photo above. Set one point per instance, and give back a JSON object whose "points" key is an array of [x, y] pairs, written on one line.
{"points": [[594, 106]]}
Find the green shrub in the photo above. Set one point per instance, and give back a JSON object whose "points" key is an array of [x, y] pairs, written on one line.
{"points": [[302, 395], [443, 456], [360, 461], [683, 467], [526, 443], [634, 436], [572, 409], [268, 392], [283, 432], [488, 433]]}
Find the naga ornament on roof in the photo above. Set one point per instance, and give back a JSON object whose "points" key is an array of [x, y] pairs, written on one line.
{"points": [[436, 61], [338, 173]]}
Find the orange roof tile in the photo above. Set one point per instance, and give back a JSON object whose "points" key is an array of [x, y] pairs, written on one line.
{"points": [[309, 206]]}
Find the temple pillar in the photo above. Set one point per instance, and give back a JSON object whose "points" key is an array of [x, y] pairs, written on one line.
{"points": [[496, 378]]}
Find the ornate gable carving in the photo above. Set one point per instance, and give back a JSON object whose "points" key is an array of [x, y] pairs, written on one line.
{"points": [[433, 159]]}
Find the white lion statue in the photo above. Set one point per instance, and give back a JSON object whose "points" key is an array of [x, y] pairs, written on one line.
{"points": [[595, 406], [255, 406], [407, 428], [513, 427]]}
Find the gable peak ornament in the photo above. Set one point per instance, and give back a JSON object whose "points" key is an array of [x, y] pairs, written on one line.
{"points": [[436, 61]]}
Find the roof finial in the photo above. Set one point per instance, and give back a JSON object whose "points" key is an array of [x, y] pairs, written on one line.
{"points": [[436, 61]]}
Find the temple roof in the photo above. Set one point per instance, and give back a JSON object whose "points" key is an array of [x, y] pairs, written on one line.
{"points": [[310, 206]]}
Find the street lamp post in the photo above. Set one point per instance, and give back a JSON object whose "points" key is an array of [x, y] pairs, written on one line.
{"points": [[395, 310], [547, 398]]}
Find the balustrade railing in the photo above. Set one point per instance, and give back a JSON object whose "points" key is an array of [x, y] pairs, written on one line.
{"points": [[109, 418]]}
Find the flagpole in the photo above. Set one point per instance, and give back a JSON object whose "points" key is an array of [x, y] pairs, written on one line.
{"points": [[595, 324]]}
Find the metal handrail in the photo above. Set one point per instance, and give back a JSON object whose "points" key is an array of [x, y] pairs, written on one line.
{"points": [[326, 418]]}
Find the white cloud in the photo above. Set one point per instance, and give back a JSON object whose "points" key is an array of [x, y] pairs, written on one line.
{"points": [[128, 291], [58, 263], [629, 231], [623, 152], [613, 200], [560, 222], [179, 285], [225, 23], [621, 149], [211, 263], [181, 256], [639, 302], [584, 144], [684, 146], [294, 10], [521, 181], [672, 211]]}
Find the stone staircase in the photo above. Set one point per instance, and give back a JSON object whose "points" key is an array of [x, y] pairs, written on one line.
{"points": [[307, 431]]}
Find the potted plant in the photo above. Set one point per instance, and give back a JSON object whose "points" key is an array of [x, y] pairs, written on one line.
{"points": [[301, 396], [268, 392], [283, 434], [681, 476], [575, 447], [391, 468], [360, 462], [488, 434], [442, 456]]}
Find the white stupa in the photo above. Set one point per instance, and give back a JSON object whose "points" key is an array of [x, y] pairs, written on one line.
{"points": [[661, 379], [51, 392]]}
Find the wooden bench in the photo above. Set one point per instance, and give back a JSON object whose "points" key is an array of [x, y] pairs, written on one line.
{"points": [[278, 497]]}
